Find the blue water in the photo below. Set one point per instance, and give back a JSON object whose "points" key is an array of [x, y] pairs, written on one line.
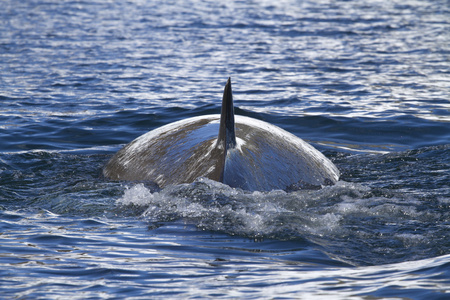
{"points": [[365, 82]]}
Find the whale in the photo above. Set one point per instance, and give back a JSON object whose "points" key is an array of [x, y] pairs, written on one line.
{"points": [[236, 150]]}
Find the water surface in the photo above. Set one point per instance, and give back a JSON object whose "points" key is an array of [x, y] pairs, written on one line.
{"points": [[365, 82]]}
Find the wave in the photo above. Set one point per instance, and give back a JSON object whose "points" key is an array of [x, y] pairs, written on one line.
{"points": [[352, 223]]}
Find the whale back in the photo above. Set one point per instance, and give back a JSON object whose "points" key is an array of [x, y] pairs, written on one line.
{"points": [[266, 157], [239, 151], [179, 152]]}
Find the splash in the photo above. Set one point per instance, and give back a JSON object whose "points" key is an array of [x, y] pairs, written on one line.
{"points": [[351, 222]]}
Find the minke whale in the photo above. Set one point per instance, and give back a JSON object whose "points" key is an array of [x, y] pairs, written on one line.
{"points": [[239, 151]]}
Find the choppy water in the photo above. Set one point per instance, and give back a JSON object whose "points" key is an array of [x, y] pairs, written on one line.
{"points": [[365, 82]]}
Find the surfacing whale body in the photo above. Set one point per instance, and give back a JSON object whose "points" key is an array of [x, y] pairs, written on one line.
{"points": [[239, 151]]}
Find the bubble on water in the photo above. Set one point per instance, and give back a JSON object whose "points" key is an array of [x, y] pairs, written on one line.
{"points": [[137, 195]]}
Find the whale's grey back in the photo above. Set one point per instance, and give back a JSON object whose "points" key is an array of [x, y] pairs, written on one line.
{"points": [[265, 157], [269, 157], [239, 151]]}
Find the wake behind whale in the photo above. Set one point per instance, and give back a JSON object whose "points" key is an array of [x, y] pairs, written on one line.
{"points": [[239, 151]]}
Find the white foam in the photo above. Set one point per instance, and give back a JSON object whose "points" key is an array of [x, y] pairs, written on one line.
{"points": [[411, 240], [342, 215], [137, 195]]}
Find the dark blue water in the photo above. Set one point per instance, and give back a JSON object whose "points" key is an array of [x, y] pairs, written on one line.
{"points": [[365, 82]]}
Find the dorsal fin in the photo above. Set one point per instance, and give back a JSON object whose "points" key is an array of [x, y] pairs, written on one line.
{"points": [[227, 136]]}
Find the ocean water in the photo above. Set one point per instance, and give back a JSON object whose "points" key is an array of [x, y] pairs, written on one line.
{"points": [[365, 82]]}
